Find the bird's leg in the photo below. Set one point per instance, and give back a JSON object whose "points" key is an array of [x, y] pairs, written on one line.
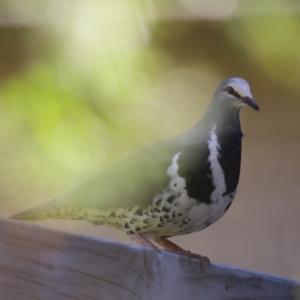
{"points": [[164, 242], [140, 239]]}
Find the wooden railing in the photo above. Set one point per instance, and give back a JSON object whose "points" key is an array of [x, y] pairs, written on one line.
{"points": [[41, 263]]}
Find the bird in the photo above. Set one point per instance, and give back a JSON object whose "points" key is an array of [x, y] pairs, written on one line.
{"points": [[174, 187]]}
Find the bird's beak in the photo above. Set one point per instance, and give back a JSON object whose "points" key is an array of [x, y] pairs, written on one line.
{"points": [[249, 101]]}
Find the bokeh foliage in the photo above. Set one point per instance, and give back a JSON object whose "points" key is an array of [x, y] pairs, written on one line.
{"points": [[77, 98], [101, 79]]}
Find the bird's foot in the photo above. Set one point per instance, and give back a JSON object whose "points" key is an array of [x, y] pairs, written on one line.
{"points": [[204, 261]]}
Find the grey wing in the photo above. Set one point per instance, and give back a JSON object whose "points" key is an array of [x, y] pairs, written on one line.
{"points": [[134, 181]]}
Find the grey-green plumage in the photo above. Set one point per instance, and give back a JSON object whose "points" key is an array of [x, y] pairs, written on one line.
{"points": [[176, 186]]}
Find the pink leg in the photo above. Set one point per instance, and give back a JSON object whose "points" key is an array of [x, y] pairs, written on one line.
{"points": [[143, 241], [164, 242]]}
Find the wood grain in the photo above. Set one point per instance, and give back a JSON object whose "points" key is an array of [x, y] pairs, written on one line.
{"points": [[41, 263]]}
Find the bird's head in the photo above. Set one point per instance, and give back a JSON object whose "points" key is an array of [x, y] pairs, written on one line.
{"points": [[236, 93]]}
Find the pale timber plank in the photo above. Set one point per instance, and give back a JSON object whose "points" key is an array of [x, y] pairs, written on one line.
{"points": [[42, 263]]}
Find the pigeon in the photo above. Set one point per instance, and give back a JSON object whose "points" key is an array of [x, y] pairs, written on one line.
{"points": [[174, 187]]}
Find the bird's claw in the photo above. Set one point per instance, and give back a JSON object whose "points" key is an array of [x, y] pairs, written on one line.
{"points": [[204, 260]]}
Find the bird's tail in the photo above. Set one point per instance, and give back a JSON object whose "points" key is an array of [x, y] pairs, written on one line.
{"points": [[51, 210]]}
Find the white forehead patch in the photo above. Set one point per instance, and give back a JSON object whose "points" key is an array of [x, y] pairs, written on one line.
{"points": [[241, 86]]}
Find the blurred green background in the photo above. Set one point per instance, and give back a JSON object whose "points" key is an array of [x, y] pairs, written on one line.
{"points": [[83, 84]]}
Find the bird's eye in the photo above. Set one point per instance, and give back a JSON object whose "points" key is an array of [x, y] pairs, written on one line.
{"points": [[230, 90]]}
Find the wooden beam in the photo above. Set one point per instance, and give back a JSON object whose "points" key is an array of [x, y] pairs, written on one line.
{"points": [[42, 263]]}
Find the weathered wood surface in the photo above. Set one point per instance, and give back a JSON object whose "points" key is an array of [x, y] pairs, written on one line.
{"points": [[41, 263]]}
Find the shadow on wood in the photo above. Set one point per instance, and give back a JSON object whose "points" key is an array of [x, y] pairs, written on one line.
{"points": [[41, 263]]}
